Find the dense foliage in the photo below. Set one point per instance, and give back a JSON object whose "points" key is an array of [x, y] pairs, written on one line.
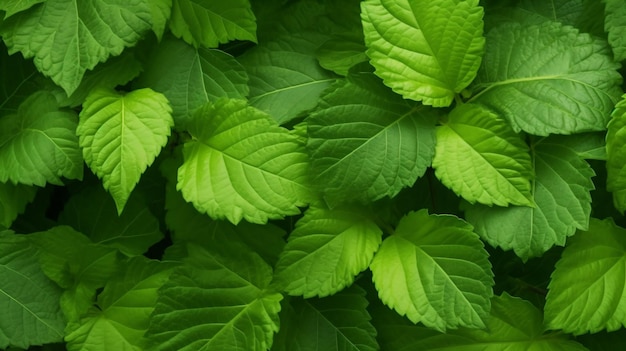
{"points": [[312, 175]]}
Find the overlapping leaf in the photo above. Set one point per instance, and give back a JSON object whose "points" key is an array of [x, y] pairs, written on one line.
{"points": [[285, 77], [560, 191], [29, 300], [93, 213], [38, 144], [588, 286], [513, 325], [480, 158], [548, 79], [241, 165], [121, 135], [123, 309], [424, 50], [335, 323], [366, 142], [326, 251], [615, 25], [435, 270], [217, 303], [616, 156], [210, 23], [11, 7], [20, 79], [82, 35], [161, 11], [13, 201], [190, 77]]}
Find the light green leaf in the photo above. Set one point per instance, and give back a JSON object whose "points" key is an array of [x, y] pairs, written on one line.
{"points": [[217, 302], [326, 251], [121, 135], [615, 25], [424, 50], [93, 213], [190, 77], [38, 144], [161, 11], [435, 270], [335, 323], [560, 191], [13, 201], [123, 309], [616, 156], [11, 7], [480, 158], [366, 142], [513, 325], [241, 165], [210, 23], [285, 78], [30, 301], [82, 35], [587, 291], [548, 79]]}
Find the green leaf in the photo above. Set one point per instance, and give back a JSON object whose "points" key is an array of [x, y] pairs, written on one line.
{"points": [[615, 25], [513, 325], [93, 213], [285, 78], [435, 270], [121, 135], [82, 35], [342, 52], [30, 301], [616, 156], [13, 201], [20, 79], [589, 146], [480, 158], [240, 164], [560, 191], [11, 7], [335, 323], [217, 302], [548, 79], [441, 57], [190, 77], [587, 289], [366, 142], [123, 309], [38, 144], [210, 23], [161, 12], [326, 251]]}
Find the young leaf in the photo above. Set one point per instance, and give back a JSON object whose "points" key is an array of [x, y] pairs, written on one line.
{"points": [[93, 213], [216, 302], [366, 142], [123, 309], [285, 77], [29, 300], [548, 78], [240, 164], [441, 57], [335, 323], [480, 158], [615, 25], [435, 270], [326, 251], [190, 77], [121, 135], [210, 23], [560, 191], [513, 325], [38, 144], [616, 156], [85, 33], [11, 7], [587, 289], [13, 201]]}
